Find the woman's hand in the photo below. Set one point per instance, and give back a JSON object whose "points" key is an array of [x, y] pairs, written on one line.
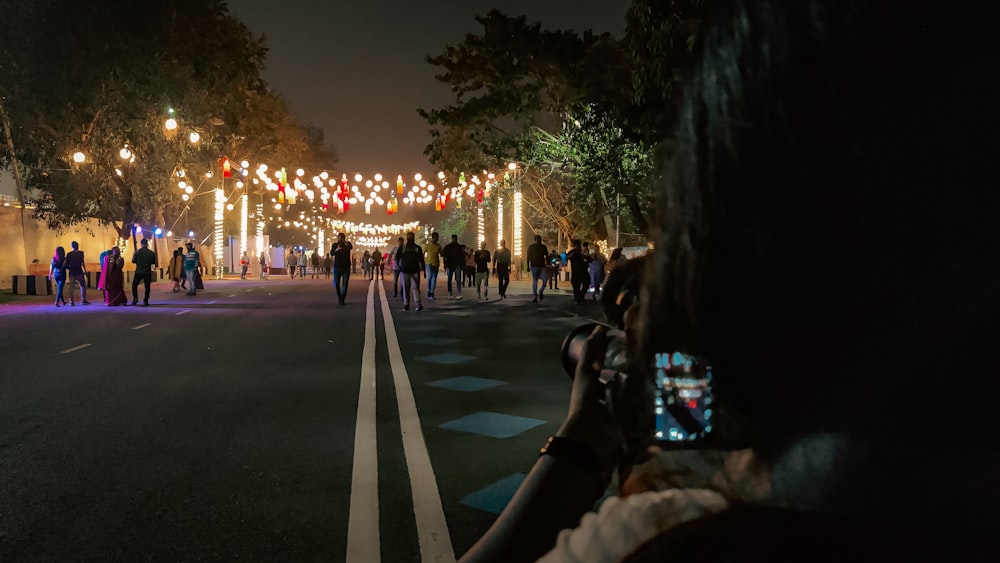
{"points": [[589, 421]]}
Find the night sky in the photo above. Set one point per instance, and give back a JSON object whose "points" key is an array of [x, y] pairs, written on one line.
{"points": [[357, 69]]}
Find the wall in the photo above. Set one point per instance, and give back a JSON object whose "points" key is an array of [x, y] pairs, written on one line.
{"points": [[17, 251]]}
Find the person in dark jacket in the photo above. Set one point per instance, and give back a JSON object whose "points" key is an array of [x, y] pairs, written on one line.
{"points": [[411, 264], [454, 261], [144, 258]]}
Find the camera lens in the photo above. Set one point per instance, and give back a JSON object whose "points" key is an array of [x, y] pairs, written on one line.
{"points": [[615, 359], [572, 346]]}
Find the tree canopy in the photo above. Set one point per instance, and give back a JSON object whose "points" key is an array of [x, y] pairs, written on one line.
{"points": [[85, 107], [586, 115]]}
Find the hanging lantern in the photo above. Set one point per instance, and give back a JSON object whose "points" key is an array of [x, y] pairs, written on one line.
{"points": [[461, 178], [437, 204], [347, 204], [281, 195], [226, 169], [283, 177], [290, 196], [399, 184], [479, 196]]}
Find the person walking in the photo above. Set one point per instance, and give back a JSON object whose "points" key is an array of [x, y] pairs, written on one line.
{"points": [[291, 263], [314, 259], [586, 252], [469, 270], [377, 261], [263, 265], [412, 265], [617, 258], [327, 266], [174, 268], [482, 258], [397, 286], [181, 251], [598, 267], [579, 275], [76, 269], [538, 257], [244, 266], [501, 267], [555, 266], [454, 261], [354, 262], [192, 261], [144, 258], [115, 284], [303, 262], [57, 273], [366, 264], [432, 259], [341, 253]]}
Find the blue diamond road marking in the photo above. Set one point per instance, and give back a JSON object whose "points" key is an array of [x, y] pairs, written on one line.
{"points": [[494, 425], [448, 358], [494, 498], [466, 383]]}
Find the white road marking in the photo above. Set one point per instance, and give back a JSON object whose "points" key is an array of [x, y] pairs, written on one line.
{"points": [[74, 349], [144, 325], [249, 290], [432, 527], [212, 302], [233, 295], [362, 526], [179, 313]]}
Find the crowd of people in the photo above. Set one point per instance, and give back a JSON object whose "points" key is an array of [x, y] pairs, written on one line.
{"points": [[71, 267], [465, 267]]}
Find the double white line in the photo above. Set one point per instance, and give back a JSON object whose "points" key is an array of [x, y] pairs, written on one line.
{"points": [[363, 544]]}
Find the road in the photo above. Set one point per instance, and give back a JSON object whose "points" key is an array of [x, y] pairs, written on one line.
{"points": [[260, 420]]}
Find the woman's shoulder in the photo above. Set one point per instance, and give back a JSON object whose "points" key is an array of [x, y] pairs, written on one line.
{"points": [[624, 523]]}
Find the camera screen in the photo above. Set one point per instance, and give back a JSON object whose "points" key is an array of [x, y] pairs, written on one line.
{"points": [[683, 403]]}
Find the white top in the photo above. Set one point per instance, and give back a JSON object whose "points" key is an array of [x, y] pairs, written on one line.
{"points": [[623, 524]]}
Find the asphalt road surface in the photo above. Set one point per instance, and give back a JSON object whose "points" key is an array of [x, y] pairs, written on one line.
{"points": [[260, 420]]}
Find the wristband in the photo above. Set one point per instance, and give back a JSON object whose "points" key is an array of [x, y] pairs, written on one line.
{"points": [[571, 450]]}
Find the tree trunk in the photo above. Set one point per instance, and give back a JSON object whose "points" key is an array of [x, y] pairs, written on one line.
{"points": [[163, 252], [609, 221], [18, 183]]}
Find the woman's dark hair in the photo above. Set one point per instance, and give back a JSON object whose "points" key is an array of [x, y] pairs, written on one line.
{"points": [[59, 255], [828, 230]]}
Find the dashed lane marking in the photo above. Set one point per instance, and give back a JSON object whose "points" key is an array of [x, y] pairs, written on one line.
{"points": [[144, 325], [179, 313], [75, 348]]}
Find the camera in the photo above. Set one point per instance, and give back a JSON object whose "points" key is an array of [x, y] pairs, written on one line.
{"points": [[682, 399]]}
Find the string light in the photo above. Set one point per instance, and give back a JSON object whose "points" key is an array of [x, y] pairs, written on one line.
{"points": [[220, 206]]}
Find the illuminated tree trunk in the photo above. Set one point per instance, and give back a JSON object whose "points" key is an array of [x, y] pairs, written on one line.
{"points": [[18, 182]]}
